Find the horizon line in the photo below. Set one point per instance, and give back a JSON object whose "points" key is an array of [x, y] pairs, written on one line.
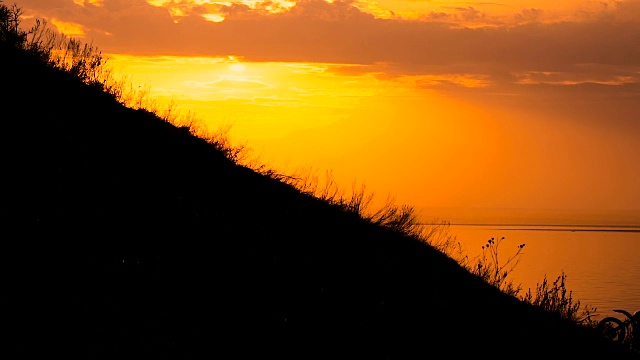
{"points": [[552, 227]]}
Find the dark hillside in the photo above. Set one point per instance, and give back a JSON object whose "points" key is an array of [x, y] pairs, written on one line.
{"points": [[126, 237]]}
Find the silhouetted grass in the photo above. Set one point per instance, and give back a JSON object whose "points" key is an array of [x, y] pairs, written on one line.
{"points": [[554, 298], [86, 62], [136, 237]]}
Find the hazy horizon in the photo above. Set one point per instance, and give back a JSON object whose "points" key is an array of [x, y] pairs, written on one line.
{"points": [[532, 217]]}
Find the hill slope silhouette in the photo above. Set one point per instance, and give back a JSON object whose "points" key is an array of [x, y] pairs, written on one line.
{"points": [[126, 237]]}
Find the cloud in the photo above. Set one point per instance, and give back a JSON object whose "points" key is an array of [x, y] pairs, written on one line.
{"points": [[238, 82], [529, 15], [340, 25], [599, 48], [470, 13], [67, 28], [583, 74], [92, 2]]}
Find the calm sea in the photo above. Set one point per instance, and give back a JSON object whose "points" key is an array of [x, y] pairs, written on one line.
{"points": [[601, 263]]}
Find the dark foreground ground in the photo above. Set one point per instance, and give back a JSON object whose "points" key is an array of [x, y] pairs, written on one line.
{"points": [[124, 237]]}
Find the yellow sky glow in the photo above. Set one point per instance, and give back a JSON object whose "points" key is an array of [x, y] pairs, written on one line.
{"points": [[92, 2], [69, 29], [289, 95], [457, 104], [387, 133], [181, 9], [393, 134]]}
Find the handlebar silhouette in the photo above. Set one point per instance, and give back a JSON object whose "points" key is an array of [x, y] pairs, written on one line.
{"points": [[625, 332]]}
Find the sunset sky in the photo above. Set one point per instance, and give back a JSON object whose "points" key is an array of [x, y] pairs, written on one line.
{"points": [[445, 105]]}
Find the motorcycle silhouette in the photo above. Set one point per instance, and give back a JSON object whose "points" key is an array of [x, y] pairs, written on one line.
{"points": [[626, 332]]}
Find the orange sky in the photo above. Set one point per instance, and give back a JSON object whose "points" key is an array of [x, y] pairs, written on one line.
{"points": [[449, 104]]}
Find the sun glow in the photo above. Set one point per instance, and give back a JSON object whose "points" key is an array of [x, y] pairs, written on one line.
{"points": [[237, 67], [216, 9], [332, 116], [444, 103], [92, 2], [68, 28], [430, 139]]}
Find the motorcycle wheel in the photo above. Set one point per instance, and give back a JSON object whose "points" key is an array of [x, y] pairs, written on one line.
{"points": [[612, 328]]}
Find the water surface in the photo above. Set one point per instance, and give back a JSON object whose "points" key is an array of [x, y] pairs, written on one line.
{"points": [[600, 262]]}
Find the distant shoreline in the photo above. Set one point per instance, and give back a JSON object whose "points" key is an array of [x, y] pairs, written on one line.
{"points": [[555, 227], [537, 218]]}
